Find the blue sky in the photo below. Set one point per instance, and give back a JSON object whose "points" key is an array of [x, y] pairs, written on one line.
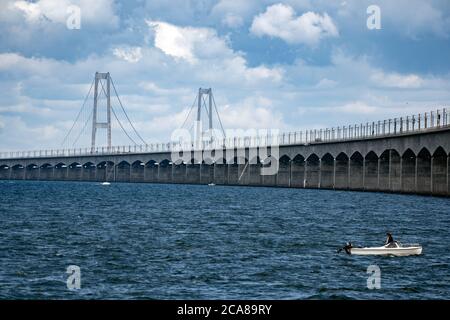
{"points": [[288, 65]]}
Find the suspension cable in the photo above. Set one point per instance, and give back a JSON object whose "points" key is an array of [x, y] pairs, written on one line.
{"points": [[79, 113], [218, 116], [123, 129], [189, 113], [84, 127], [115, 115], [123, 109]]}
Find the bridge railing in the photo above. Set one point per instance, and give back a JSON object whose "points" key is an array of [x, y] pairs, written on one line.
{"points": [[397, 126]]}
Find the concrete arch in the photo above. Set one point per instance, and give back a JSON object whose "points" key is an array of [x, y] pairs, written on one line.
{"points": [[395, 170], [75, 165], [371, 171], [408, 174], [4, 171], [137, 173], [123, 171], [60, 165], [327, 171], [298, 158], [283, 178], [151, 163], [312, 171], [74, 171], [285, 159], [104, 164], [60, 171], [88, 165], [423, 171], [439, 150], [384, 171], [165, 171], [123, 164], [89, 171], [298, 171], [439, 171], [138, 163], [151, 171], [46, 171], [342, 171], [356, 180], [18, 172]]}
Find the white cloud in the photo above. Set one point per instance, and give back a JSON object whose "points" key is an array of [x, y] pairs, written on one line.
{"points": [[356, 107], [280, 21], [232, 21], [188, 43], [130, 54], [326, 84], [233, 13], [395, 80], [252, 113]]}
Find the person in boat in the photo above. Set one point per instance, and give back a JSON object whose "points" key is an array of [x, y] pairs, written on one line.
{"points": [[389, 240], [347, 248]]}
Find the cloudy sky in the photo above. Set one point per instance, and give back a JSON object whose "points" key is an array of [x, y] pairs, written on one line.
{"points": [[290, 65]]}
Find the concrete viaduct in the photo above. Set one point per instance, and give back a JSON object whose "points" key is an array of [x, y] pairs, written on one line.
{"points": [[408, 161]]}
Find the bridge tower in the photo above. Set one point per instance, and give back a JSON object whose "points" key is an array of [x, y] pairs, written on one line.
{"points": [[198, 123], [99, 76]]}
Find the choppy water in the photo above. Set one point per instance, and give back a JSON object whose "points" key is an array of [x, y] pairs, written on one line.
{"points": [[136, 241]]}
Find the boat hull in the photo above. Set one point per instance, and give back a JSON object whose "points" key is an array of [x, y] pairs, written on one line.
{"points": [[383, 251]]}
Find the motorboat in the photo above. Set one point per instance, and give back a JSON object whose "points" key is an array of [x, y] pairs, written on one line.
{"points": [[106, 183], [211, 184], [391, 249]]}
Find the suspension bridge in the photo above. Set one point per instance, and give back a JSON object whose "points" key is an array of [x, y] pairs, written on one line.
{"points": [[408, 154]]}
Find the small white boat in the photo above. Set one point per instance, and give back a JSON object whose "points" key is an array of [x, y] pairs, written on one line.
{"points": [[105, 183], [393, 249], [211, 184]]}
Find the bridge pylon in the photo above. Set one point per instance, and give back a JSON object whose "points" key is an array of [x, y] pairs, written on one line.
{"points": [[99, 76]]}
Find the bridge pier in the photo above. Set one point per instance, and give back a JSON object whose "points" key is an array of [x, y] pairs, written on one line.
{"points": [[179, 173], [341, 171], [75, 172], [297, 172], [32, 172], [327, 171], [4, 172], [89, 171], [284, 172], [165, 172], [356, 180], [220, 173], [312, 171], [395, 171], [206, 173]]}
